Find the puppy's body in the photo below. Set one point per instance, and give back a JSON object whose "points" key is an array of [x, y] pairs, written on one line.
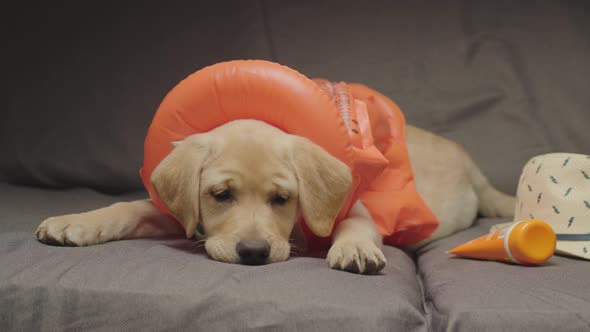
{"points": [[451, 184], [248, 184]]}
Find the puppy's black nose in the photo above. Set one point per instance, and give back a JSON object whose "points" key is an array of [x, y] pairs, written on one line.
{"points": [[253, 252]]}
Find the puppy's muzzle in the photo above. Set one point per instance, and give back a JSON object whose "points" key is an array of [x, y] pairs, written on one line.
{"points": [[253, 252]]}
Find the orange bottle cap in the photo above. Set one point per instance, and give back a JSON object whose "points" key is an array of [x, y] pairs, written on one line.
{"points": [[531, 242]]}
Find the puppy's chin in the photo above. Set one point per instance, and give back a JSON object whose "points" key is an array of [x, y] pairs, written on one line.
{"points": [[223, 249], [279, 250]]}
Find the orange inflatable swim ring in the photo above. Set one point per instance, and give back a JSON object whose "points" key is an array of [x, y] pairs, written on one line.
{"points": [[352, 122]]}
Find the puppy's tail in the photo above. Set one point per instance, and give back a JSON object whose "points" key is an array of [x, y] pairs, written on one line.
{"points": [[491, 202]]}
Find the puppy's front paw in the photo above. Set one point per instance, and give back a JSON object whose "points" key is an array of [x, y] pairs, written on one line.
{"points": [[356, 256], [70, 230]]}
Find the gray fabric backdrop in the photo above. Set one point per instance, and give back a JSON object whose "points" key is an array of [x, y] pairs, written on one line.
{"points": [[507, 80]]}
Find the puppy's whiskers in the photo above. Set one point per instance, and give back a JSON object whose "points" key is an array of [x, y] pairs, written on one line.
{"points": [[198, 245], [295, 250]]}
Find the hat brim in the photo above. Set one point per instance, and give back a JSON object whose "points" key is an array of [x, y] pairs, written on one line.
{"points": [[580, 249]]}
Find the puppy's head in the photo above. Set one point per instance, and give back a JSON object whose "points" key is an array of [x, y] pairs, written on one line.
{"points": [[248, 183]]}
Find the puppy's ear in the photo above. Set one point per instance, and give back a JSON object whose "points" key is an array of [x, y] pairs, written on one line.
{"points": [[176, 180], [324, 182]]}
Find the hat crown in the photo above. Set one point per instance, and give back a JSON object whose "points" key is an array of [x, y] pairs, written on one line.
{"points": [[555, 188]]}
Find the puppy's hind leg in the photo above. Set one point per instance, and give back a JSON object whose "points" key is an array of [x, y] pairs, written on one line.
{"points": [[126, 220]]}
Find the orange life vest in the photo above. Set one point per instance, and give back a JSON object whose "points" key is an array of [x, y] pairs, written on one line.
{"points": [[352, 122]]}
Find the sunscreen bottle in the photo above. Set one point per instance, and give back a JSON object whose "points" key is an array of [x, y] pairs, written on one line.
{"points": [[528, 242]]}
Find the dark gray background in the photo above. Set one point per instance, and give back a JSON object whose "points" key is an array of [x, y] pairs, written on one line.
{"points": [[82, 80]]}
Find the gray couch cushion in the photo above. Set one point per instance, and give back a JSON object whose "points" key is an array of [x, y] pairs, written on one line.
{"points": [[84, 81], [471, 295], [79, 101], [506, 79], [157, 284]]}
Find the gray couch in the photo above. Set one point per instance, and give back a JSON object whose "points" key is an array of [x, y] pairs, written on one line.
{"points": [[506, 80]]}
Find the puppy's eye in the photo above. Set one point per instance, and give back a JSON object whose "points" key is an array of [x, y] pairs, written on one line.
{"points": [[222, 196], [279, 200]]}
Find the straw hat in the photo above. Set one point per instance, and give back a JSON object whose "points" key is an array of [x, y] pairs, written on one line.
{"points": [[555, 188]]}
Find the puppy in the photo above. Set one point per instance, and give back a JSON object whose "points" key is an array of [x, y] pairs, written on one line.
{"points": [[247, 184]]}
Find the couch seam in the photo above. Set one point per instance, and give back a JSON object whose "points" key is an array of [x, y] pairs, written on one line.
{"points": [[425, 306]]}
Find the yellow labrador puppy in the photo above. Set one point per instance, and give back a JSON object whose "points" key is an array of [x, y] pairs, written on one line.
{"points": [[247, 183]]}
